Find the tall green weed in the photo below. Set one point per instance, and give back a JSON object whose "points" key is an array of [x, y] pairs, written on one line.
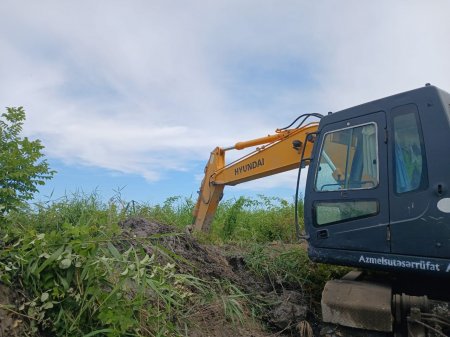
{"points": [[174, 211], [263, 219], [288, 267]]}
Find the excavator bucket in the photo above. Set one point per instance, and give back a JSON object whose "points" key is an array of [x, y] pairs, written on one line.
{"points": [[209, 193]]}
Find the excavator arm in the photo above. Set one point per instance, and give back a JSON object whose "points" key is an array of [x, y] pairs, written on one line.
{"points": [[275, 153]]}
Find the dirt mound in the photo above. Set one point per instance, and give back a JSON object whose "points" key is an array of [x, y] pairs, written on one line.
{"points": [[171, 244], [284, 309]]}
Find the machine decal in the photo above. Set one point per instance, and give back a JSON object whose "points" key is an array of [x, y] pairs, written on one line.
{"points": [[248, 167], [422, 265], [444, 205]]}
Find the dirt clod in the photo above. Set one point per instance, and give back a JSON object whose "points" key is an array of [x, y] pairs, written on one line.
{"points": [[10, 323], [289, 311]]}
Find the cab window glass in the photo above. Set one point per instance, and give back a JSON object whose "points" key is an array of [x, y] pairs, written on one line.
{"points": [[409, 163], [349, 159], [327, 213]]}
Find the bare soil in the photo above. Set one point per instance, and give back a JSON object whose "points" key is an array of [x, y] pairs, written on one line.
{"points": [[10, 323]]}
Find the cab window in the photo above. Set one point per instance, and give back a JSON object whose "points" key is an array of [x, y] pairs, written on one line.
{"points": [[348, 159], [409, 158], [331, 212]]}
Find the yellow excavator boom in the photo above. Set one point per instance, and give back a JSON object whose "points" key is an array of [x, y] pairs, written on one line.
{"points": [[277, 153]]}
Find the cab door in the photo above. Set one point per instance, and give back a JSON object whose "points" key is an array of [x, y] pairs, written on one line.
{"points": [[417, 226], [346, 204]]}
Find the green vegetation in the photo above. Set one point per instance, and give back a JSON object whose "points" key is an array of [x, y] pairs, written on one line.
{"points": [[258, 220], [175, 211], [22, 167], [76, 279], [287, 266], [81, 276]]}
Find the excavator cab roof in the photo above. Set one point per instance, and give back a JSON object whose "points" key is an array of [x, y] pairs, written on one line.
{"points": [[385, 103]]}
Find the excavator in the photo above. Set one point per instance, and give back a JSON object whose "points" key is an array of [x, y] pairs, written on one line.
{"points": [[377, 198]]}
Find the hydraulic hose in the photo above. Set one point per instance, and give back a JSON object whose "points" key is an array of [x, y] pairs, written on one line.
{"points": [[307, 138]]}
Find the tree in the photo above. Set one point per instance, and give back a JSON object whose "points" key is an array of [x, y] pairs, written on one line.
{"points": [[22, 167]]}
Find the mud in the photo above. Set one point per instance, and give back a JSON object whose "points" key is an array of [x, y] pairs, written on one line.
{"points": [[11, 325], [289, 311], [331, 330]]}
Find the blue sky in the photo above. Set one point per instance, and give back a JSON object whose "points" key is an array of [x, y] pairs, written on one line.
{"points": [[133, 96]]}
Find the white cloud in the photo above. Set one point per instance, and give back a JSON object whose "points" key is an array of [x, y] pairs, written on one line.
{"points": [[147, 87]]}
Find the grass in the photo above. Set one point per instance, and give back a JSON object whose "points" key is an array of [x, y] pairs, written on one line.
{"points": [[287, 266], [80, 277], [261, 220]]}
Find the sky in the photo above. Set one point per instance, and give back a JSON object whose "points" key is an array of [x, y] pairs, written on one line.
{"points": [[130, 97]]}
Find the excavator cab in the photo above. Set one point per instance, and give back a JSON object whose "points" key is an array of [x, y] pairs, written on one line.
{"points": [[377, 193]]}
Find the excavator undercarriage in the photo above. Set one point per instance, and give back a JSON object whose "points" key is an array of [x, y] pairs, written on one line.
{"points": [[367, 302]]}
